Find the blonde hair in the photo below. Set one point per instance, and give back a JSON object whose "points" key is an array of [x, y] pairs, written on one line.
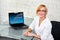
{"points": [[40, 6]]}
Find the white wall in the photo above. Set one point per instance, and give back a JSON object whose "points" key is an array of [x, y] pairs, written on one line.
{"points": [[6, 7], [28, 7]]}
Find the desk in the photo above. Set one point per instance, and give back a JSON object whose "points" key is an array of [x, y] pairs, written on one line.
{"points": [[8, 31]]}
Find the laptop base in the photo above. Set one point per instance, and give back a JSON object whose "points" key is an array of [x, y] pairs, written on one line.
{"points": [[17, 27]]}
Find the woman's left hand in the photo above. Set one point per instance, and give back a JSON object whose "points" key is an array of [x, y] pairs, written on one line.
{"points": [[35, 35], [38, 36]]}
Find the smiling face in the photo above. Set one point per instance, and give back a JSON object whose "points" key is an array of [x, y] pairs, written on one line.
{"points": [[41, 11]]}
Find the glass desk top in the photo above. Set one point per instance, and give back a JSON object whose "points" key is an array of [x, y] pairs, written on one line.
{"points": [[7, 31], [13, 33]]}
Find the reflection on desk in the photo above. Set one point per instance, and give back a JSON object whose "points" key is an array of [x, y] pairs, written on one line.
{"points": [[9, 32]]}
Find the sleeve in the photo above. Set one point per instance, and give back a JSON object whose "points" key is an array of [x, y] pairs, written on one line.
{"points": [[47, 31], [32, 24]]}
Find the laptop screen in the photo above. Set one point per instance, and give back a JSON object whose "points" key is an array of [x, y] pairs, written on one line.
{"points": [[16, 18]]}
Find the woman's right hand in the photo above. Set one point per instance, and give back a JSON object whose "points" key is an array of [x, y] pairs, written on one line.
{"points": [[25, 33]]}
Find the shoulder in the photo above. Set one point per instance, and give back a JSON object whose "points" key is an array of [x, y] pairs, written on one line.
{"points": [[36, 17], [48, 21]]}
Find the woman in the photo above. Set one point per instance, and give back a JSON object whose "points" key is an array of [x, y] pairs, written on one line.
{"points": [[41, 24]]}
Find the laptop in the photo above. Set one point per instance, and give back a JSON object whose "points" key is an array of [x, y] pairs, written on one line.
{"points": [[16, 20]]}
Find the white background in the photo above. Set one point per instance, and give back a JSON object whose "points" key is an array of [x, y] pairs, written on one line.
{"points": [[29, 7]]}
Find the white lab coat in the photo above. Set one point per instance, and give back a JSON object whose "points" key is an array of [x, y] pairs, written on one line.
{"points": [[44, 30]]}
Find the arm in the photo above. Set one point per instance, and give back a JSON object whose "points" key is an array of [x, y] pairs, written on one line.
{"points": [[27, 31], [31, 27], [46, 32]]}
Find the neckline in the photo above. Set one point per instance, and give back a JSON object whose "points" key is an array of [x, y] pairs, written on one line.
{"points": [[41, 22]]}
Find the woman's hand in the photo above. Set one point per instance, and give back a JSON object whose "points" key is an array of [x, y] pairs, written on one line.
{"points": [[32, 34], [28, 34], [37, 36], [25, 33]]}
